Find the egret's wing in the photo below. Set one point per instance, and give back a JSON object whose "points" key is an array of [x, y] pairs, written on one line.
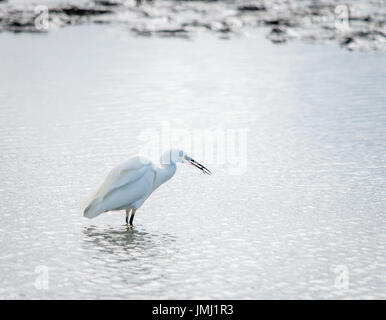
{"points": [[128, 172]]}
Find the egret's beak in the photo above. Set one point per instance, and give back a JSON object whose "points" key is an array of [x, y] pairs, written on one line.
{"points": [[199, 166]]}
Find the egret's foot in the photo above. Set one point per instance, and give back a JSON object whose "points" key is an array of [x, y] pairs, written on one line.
{"points": [[127, 216], [132, 216]]}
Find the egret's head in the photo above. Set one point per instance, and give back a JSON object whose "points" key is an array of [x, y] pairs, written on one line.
{"points": [[175, 155], [172, 156]]}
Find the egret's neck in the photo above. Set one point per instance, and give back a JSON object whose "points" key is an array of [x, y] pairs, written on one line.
{"points": [[164, 173]]}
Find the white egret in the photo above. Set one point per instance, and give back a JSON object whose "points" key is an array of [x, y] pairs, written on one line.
{"points": [[128, 185]]}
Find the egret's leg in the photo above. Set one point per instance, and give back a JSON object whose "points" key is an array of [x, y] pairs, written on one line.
{"points": [[127, 216], [132, 216]]}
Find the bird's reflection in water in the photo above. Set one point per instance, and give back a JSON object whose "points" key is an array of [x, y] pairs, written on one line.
{"points": [[123, 257], [122, 239]]}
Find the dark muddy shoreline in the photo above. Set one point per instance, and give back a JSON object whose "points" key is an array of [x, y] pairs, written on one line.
{"points": [[360, 25]]}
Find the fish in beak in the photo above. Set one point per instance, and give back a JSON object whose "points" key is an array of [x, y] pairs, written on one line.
{"points": [[199, 166]]}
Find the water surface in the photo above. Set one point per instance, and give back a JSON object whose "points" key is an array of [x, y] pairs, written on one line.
{"points": [[74, 103]]}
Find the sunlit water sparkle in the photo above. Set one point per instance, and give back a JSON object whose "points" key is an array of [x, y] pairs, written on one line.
{"points": [[73, 104]]}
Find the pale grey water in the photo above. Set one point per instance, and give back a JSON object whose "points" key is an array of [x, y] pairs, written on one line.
{"points": [[73, 104]]}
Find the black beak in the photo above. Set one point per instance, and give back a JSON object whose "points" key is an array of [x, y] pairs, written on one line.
{"points": [[200, 166]]}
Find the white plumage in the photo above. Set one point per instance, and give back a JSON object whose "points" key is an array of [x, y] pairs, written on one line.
{"points": [[128, 185]]}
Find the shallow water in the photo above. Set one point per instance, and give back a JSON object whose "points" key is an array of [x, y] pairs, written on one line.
{"points": [[312, 202]]}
